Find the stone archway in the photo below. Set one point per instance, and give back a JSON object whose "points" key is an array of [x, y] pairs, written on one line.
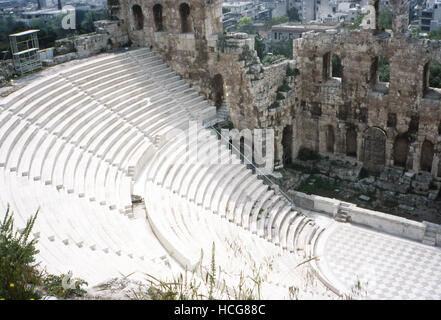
{"points": [[351, 142], [374, 158], [427, 152], [287, 145], [138, 17], [158, 17], [330, 139], [184, 12], [401, 151], [218, 91]]}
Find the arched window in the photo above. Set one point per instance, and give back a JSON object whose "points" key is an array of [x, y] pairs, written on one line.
{"points": [[401, 151], [432, 80], [427, 151], [287, 145], [351, 143], [158, 17], [184, 11], [374, 151], [218, 93], [337, 67], [138, 16], [380, 74]]}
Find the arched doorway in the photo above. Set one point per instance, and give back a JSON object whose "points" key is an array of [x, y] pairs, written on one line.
{"points": [[287, 145], [218, 91], [158, 17], [330, 139], [351, 142], [374, 149], [138, 16], [184, 11], [401, 151], [427, 151]]}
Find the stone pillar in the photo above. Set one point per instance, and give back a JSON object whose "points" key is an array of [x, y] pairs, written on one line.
{"points": [[415, 149], [296, 140], [340, 140], [389, 152], [435, 166], [322, 134], [360, 153]]}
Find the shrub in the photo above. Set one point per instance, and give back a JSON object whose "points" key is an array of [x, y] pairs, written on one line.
{"points": [[53, 286], [19, 275], [284, 87], [274, 105], [306, 154], [280, 96], [292, 72], [269, 60]]}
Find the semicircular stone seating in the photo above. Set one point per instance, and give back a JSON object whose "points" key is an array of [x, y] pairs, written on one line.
{"points": [[73, 143]]}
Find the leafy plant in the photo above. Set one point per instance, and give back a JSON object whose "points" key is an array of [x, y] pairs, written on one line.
{"points": [[19, 275], [53, 286], [292, 72], [269, 60]]}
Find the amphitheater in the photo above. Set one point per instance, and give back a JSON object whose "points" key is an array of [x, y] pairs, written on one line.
{"points": [[81, 139], [72, 142]]}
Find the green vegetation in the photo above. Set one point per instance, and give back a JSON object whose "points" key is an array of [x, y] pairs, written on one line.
{"points": [[205, 284], [319, 186], [259, 46], [384, 70], [283, 47], [274, 105], [277, 20], [53, 286], [284, 87], [435, 74], [433, 35], [280, 96], [244, 24], [293, 15], [225, 10], [20, 276], [50, 30], [292, 72], [385, 19], [337, 68], [356, 24], [268, 60], [306, 154]]}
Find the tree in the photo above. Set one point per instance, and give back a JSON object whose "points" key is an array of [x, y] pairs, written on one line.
{"points": [[337, 68], [282, 48], [385, 19], [383, 70], [355, 25], [259, 46], [244, 23], [293, 14], [434, 35], [278, 20], [435, 75]]}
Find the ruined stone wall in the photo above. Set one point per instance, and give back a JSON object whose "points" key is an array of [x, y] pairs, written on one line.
{"points": [[379, 113], [355, 117], [185, 50]]}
